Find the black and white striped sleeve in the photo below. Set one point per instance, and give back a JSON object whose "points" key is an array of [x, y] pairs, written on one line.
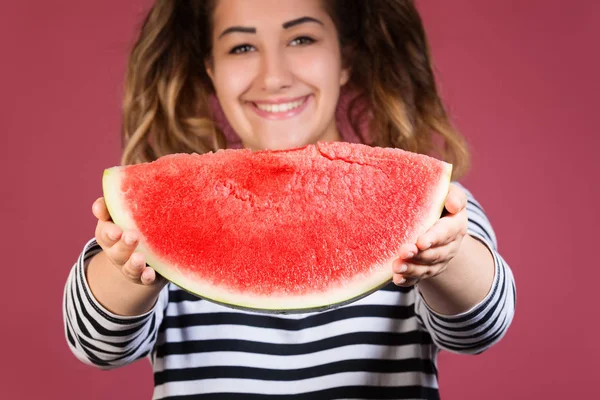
{"points": [[95, 335], [477, 329]]}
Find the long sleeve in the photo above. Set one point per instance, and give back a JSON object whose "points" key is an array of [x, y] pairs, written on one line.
{"points": [[479, 328], [95, 335]]}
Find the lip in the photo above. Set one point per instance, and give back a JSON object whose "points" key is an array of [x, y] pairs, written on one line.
{"points": [[279, 101], [280, 115]]}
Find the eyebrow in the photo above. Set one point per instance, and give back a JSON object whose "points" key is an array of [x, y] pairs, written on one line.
{"points": [[298, 21], [285, 25]]}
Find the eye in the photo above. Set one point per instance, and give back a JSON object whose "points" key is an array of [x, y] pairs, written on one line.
{"points": [[302, 41], [244, 48]]}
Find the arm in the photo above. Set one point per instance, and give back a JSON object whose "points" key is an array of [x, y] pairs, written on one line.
{"points": [[113, 303], [480, 327], [466, 291], [119, 278], [116, 293], [98, 336], [466, 281]]}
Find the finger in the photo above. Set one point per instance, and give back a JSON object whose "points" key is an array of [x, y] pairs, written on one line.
{"points": [[456, 200], [407, 251], [441, 233], [99, 210], [399, 280], [415, 271], [134, 267], [434, 255], [148, 276], [121, 251], [107, 234], [444, 231]]}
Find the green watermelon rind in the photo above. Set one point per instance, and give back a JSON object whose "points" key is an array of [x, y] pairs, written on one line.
{"points": [[361, 286]]}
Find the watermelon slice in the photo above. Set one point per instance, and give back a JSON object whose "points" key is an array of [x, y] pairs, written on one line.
{"points": [[279, 231]]}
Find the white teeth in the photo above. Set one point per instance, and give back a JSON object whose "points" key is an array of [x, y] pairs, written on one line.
{"points": [[283, 107]]}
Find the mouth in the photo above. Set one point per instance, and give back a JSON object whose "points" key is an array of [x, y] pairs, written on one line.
{"points": [[280, 109]]}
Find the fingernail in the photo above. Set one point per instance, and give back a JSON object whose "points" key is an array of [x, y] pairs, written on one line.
{"points": [[403, 268], [137, 262], [410, 255], [129, 238], [112, 235], [401, 281]]}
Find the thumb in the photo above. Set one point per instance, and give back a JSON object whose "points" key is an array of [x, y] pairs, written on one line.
{"points": [[456, 200], [100, 211]]}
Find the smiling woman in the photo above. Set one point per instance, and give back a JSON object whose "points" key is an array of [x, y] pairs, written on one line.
{"points": [[279, 74], [288, 72]]}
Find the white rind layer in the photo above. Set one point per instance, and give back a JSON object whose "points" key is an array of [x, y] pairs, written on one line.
{"points": [[359, 287], [438, 198]]}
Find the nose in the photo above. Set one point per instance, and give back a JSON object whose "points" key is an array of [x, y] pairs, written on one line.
{"points": [[275, 73]]}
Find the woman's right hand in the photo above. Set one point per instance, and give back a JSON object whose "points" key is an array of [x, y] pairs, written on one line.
{"points": [[120, 247]]}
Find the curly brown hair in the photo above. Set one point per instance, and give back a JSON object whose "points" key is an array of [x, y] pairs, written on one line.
{"points": [[167, 90]]}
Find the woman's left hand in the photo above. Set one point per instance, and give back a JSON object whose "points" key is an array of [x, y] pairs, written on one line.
{"points": [[429, 256]]}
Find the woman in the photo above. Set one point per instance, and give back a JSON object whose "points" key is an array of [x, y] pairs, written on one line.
{"points": [[277, 74]]}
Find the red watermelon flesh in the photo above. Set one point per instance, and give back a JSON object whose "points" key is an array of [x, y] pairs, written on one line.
{"points": [[279, 231]]}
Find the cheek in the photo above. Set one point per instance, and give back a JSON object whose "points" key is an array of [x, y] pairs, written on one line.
{"points": [[232, 79], [321, 69]]}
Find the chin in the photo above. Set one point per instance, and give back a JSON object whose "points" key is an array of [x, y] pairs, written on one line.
{"points": [[279, 145], [283, 141]]}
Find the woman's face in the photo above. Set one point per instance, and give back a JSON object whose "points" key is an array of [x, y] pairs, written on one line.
{"points": [[277, 70]]}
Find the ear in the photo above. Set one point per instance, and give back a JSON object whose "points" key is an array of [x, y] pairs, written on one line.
{"points": [[347, 61], [208, 66], [345, 76]]}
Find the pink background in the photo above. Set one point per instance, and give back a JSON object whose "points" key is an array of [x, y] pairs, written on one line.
{"points": [[521, 81]]}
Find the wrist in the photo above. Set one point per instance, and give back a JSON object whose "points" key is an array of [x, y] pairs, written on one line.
{"points": [[466, 280], [115, 292]]}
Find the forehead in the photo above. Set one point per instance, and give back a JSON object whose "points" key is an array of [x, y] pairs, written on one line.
{"points": [[264, 12]]}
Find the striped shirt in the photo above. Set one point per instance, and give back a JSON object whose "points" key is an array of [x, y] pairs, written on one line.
{"points": [[383, 346]]}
